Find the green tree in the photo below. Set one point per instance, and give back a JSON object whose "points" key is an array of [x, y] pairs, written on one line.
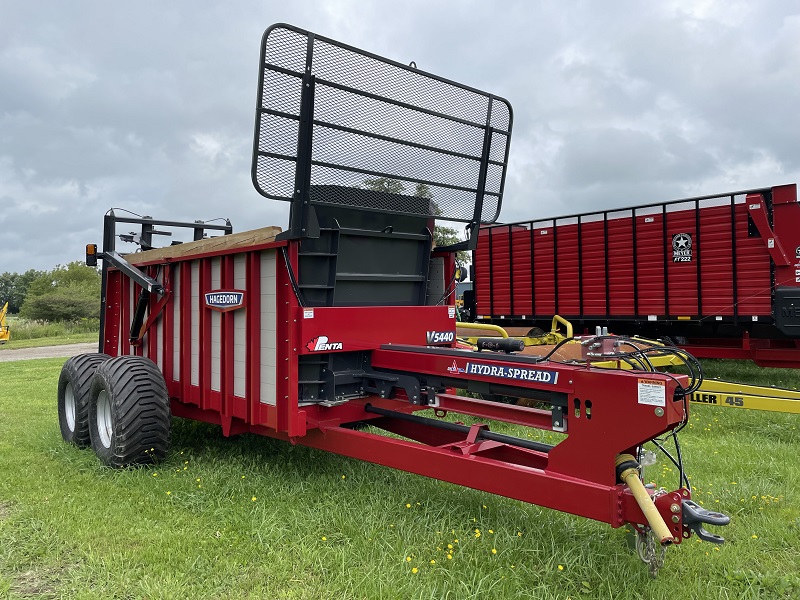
{"points": [[447, 236], [384, 184], [442, 236], [14, 288], [67, 293]]}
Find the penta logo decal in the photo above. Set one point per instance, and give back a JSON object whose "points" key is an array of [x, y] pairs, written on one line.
{"points": [[321, 344], [440, 337], [454, 369], [224, 300]]}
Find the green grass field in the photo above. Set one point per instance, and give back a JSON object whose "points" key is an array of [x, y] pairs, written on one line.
{"points": [[249, 517]]}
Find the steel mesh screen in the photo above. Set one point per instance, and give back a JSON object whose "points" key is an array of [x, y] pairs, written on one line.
{"points": [[382, 136]]}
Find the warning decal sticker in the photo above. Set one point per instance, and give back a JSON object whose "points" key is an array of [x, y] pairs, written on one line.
{"points": [[652, 392]]}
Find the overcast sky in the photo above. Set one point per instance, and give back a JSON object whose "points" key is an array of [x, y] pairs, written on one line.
{"points": [[149, 106]]}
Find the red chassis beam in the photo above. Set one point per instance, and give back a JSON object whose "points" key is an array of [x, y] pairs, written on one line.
{"points": [[494, 468], [608, 413]]}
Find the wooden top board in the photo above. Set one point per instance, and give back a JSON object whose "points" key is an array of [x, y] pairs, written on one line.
{"points": [[220, 243]]}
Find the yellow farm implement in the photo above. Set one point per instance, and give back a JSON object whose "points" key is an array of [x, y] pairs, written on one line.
{"points": [[4, 329]]}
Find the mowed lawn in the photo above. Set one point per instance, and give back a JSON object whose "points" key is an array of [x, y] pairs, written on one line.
{"points": [[248, 517]]}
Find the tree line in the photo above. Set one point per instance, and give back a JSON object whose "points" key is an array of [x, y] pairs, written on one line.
{"points": [[66, 293]]}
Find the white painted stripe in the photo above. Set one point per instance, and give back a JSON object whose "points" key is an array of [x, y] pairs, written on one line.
{"points": [[216, 329], [269, 286]]}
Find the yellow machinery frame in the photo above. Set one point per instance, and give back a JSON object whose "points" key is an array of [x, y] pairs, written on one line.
{"points": [[5, 331]]}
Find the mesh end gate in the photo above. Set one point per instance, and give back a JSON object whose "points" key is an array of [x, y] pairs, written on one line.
{"points": [[338, 125]]}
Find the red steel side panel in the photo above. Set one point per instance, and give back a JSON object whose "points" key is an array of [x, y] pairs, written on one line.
{"points": [[129, 292], [569, 301], [754, 280], [593, 259], [649, 266], [544, 293], [621, 269], [716, 264], [483, 274], [521, 271], [786, 225], [682, 275], [501, 267], [110, 342]]}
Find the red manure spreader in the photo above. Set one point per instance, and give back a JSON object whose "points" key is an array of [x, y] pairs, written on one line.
{"points": [[339, 332]]}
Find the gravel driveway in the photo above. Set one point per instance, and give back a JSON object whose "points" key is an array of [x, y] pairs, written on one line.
{"points": [[66, 351]]}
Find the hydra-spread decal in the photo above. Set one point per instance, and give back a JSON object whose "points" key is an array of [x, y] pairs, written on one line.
{"points": [[506, 372], [321, 344], [223, 300], [682, 247]]}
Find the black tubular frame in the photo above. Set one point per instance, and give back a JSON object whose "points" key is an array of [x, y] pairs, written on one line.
{"points": [[111, 258], [331, 119]]}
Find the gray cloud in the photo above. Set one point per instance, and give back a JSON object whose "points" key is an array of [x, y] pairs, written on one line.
{"points": [[150, 106]]}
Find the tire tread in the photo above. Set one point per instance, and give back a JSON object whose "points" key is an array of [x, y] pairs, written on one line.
{"points": [[140, 411]]}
